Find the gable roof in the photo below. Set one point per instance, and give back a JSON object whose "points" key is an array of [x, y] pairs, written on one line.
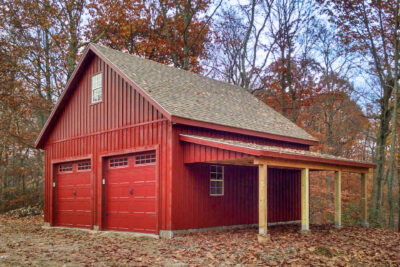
{"points": [[182, 94]]}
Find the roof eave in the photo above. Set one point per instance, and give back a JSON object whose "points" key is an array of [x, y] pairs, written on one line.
{"points": [[209, 125], [279, 155]]}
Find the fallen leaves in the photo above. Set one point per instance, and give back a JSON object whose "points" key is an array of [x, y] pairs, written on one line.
{"points": [[24, 242]]}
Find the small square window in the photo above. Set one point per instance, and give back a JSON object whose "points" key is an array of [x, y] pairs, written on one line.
{"points": [[65, 168], [118, 162], [97, 90], [145, 159], [216, 180], [82, 166]]}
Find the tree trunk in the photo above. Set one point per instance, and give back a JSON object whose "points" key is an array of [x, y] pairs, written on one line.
{"points": [[376, 215], [398, 222]]}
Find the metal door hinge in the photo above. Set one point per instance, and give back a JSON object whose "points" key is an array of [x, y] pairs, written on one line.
{"points": [[104, 181], [54, 184]]}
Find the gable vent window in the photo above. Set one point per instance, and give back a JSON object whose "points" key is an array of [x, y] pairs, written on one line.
{"points": [[65, 168], [97, 90], [118, 162], [145, 159], [82, 166], [216, 180]]}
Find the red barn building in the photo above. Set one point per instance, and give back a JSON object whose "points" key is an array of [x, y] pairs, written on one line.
{"points": [[134, 145]]}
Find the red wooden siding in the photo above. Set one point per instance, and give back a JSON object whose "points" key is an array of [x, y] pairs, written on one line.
{"points": [[195, 208], [182, 129], [199, 153], [192, 207], [284, 199], [124, 121]]}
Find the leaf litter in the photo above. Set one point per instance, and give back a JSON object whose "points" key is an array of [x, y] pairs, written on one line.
{"points": [[24, 242]]}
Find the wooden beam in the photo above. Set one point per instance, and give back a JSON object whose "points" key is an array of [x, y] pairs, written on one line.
{"points": [[295, 164], [364, 199], [245, 161], [305, 200], [338, 199], [262, 203]]}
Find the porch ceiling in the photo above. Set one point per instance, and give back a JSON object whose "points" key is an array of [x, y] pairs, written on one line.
{"points": [[278, 157]]}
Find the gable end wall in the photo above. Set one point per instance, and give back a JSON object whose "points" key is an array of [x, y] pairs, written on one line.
{"points": [[123, 121]]}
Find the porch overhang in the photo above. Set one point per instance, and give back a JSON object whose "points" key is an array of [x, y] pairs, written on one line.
{"points": [[256, 154], [223, 151]]}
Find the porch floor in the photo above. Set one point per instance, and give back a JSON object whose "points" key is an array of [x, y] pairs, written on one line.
{"points": [[23, 241]]}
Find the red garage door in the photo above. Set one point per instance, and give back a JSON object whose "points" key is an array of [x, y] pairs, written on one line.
{"points": [[73, 194], [131, 193]]}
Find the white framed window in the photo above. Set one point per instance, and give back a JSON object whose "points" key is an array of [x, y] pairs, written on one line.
{"points": [[84, 166], [119, 162], [216, 180], [145, 159], [97, 90]]}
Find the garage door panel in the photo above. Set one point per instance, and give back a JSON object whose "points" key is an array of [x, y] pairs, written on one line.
{"points": [[145, 190], [73, 195], [117, 206], [82, 192], [74, 218], [65, 193], [74, 204], [144, 173], [144, 205], [120, 221], [131, 195], [147, 223], [65, 180]]}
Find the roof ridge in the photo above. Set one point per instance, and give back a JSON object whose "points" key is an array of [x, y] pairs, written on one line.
{"points": [[194, 96], [170, 66], [187, 72]]}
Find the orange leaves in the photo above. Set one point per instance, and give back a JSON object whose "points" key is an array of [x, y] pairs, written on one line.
{"points": [[169, 33]]}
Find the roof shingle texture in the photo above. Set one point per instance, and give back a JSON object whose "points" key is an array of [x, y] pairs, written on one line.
{"points": [[287, 151], [192, 96]]}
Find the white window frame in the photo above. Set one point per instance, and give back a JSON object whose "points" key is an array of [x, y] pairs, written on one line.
{"points": [[97, 88], [215, 171]]}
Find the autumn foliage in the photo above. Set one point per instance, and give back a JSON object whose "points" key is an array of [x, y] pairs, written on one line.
{"points": [[316, 62]]}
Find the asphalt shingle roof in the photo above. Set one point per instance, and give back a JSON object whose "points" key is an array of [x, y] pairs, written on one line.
{"points": [[192, 96], [275, 149]]}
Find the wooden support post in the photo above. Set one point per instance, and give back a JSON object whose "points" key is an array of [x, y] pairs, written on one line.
{"points": [[262, 203], [364, 200], [305, 201], [338, 199]]}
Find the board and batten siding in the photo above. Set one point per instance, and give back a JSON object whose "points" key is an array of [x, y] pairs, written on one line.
{"points": [[192, 205], [123, 121], [194, 208]]}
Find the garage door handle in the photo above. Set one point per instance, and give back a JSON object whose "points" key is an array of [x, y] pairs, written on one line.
{"points": [[74, 192], [131, 191]]}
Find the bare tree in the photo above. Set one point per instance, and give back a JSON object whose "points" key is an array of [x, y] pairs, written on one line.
{"points": [[243, 50], [288, 21]]}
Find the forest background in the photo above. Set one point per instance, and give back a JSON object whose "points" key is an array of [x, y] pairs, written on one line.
{"points": [[329, 66]]}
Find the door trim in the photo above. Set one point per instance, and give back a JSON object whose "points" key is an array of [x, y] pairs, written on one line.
{"points": [[53, 177], [102, 167]]}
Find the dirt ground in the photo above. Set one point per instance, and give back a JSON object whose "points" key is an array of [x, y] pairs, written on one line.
{"points": [[24, 242]]}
